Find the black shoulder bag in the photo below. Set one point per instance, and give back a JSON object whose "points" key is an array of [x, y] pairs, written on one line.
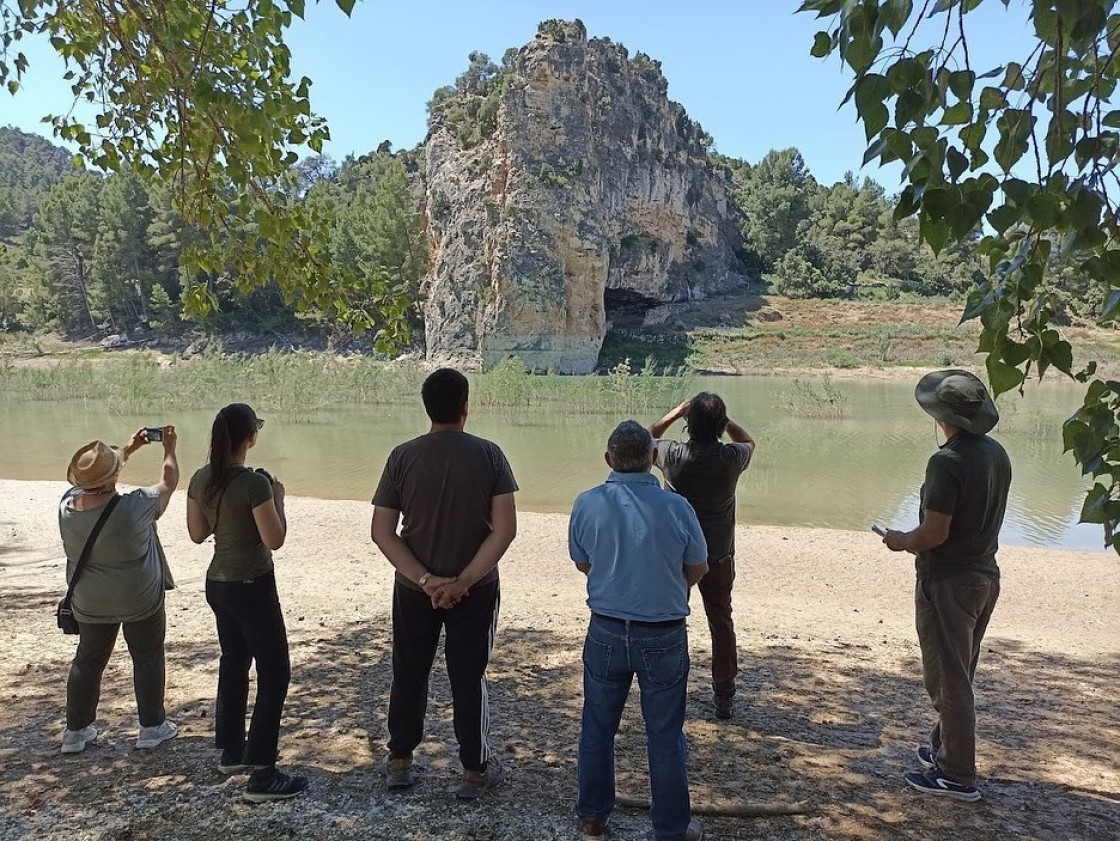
{"points": [[63, 614]]}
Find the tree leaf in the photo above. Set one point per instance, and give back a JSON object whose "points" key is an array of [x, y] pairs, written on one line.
{"points": [[1002, 376], [822, 45]]}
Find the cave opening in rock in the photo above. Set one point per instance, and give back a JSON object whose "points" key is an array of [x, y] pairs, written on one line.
{"points": [[626, 309]]}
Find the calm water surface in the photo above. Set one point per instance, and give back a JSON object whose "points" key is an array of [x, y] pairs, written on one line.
{"points": [[863, 468]]}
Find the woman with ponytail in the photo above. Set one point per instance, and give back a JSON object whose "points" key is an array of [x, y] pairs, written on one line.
{"points": [[244, 510]]}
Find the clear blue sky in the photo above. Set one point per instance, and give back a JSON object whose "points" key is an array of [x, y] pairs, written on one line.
{"points": [[740, 67]]}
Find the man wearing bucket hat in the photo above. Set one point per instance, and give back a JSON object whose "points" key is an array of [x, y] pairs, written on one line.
{"points": [[121, 584], [963, 501]]}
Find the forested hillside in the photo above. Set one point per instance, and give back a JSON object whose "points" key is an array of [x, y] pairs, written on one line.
{"points": [[84, 254]]}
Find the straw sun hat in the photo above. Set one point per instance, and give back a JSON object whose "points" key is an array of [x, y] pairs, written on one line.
{"points": [[958, 398], [94, 465]]}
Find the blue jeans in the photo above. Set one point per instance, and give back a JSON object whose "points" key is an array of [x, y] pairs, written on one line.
{"points": [[615, 651]]}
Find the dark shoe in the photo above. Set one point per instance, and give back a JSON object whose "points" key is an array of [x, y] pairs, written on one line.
{"points": [[927, 758], [695, 831], [267, 784], [723, 707], [477, 783], [398, 772], [592, 830], [935, 782], [232, 762]]}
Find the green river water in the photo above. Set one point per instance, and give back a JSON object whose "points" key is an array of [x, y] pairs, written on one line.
{"points": [[848, 472]]}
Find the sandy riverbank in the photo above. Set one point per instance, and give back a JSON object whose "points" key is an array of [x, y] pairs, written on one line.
{"points": [[830, 701]]}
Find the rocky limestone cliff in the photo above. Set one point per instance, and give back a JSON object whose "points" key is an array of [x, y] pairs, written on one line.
{"points": [[566, 191]]}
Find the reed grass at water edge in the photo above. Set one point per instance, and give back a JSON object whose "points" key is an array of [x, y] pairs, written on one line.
{"points": [[295, 382]]}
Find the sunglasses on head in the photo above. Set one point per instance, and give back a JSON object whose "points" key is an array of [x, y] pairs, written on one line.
{"points": [[260, 423]]}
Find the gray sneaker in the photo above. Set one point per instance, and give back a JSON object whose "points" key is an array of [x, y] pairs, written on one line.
{"points": [[477, 783], [153, 737], [398, 772], [75, 741], [695, 831]]}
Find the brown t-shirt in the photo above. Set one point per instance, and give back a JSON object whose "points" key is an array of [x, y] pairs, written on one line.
{"points": [[442, 484]]}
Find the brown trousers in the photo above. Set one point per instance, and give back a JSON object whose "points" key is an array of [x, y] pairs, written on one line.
{"points": [[952, 614], [715, 590]]}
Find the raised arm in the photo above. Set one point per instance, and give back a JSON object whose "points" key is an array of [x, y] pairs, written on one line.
{"points": [[658, 428], [738, 435], [169, 477]]}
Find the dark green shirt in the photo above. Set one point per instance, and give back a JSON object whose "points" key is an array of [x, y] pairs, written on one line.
{"points": [[239, 554], [968, 478], [443, 484], [706, 474]]}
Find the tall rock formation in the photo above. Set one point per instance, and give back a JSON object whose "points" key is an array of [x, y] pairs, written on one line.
{"points": [[562, 189]]}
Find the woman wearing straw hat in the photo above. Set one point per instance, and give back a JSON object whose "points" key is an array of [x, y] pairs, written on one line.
{"points": [[121, 584], [244, 510], [963, 501]]}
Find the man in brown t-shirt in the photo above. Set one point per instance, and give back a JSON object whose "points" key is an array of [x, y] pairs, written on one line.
{"points": [[455, 494]]}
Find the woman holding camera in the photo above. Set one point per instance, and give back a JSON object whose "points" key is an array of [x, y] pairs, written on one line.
{"points": [[244, 510], [120, 584]]}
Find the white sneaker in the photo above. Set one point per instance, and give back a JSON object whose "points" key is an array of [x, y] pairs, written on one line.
{"points": [[152, 737], [75, 741]]}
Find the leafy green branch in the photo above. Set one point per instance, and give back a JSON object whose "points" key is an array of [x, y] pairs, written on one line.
{"points": [[198, 97], [966, 138]]}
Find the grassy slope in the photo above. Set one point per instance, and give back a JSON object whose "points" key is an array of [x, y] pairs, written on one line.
{"points": [[754, 334]]}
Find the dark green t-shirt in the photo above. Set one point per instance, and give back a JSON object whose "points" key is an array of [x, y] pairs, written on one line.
{"points": [[442, 484], [969, 478], [239, 554], [706, 474]]}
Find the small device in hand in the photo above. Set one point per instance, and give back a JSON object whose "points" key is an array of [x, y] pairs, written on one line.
{"points": [[154, 433], [879, 530], [264, 473]]}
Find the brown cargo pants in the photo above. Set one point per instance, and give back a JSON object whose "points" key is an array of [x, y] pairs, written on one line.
{"points": [[715, 590], [952, 614]]}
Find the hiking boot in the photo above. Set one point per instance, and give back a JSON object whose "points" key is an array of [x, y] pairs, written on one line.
{"points": [[927, 756], [75, 741], [232, 761], [592, 830], [398, 772], [153, 737], [477, 783], [268, 784], [695, 831], [934, 781], [722, 704]]}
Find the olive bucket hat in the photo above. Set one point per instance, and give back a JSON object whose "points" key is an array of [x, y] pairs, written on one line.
{"points": [[959, 398]]}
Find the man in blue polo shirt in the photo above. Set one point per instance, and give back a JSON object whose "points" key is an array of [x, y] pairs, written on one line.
{"points": [[641, 548]]}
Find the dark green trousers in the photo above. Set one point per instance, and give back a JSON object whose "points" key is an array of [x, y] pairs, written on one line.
{"points": [[952, 615], [95, 646]]}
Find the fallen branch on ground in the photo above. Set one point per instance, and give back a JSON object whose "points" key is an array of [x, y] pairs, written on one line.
{"points": [[734, 809]]}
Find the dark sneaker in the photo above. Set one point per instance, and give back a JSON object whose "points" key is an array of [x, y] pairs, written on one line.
{"points": [[477, 783], [398, 772], [722, 705], [231, 762], [926, 756], [592, 830], [695, 831], [268, 784], [935, 782]]}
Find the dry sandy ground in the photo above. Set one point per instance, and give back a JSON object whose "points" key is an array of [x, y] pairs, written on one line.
{"points": [[830, 703]]}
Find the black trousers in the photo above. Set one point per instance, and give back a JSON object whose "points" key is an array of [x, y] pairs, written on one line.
{"points": [[250, 628], [470, 627], [715, 590]]}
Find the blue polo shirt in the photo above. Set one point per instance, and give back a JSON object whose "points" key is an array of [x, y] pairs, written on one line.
{"points": [[637, 538]]}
